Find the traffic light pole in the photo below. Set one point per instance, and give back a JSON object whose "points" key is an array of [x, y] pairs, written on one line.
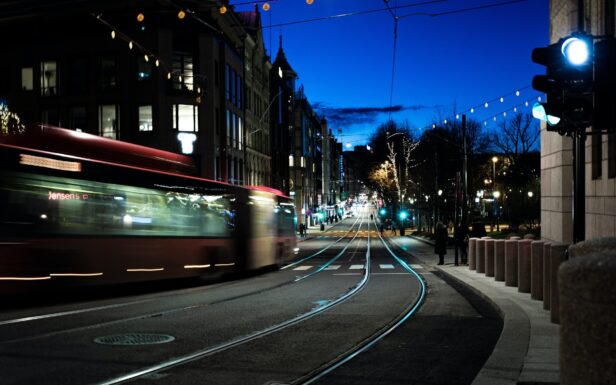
{"points": [[578, 211]]}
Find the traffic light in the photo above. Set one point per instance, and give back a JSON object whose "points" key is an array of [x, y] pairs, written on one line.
{"points": [[383, 212], [568, 83], [604, 117]]}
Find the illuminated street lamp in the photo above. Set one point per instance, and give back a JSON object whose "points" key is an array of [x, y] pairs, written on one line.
{"points": [[496, 195], [530, 194]]}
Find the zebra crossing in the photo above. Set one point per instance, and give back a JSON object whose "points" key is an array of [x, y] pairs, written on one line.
{"points": [[384, 266]]}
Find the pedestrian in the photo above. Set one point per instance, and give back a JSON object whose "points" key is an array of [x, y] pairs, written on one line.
{"points": [[461, 236], [393, 227], [301, 230], [440, 246]]}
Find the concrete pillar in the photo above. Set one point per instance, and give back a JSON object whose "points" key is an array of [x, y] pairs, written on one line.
{"points": [[592, 246], [481, 252], [472, 259], [536, 270], [557, 256], [489, 257], [499, 260], [524, 266], [588, 319], [511, 262], [547, 247]]}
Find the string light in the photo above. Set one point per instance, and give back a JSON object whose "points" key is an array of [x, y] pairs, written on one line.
{"points": [[309, 2], [472, 110], [140, 17], [130, 45], [517, 93], [168, 75], [266, 6], [502, 99], [222, 9], [486, 105], [147, 59], [157, 63], [112, 34], [181, 14]]}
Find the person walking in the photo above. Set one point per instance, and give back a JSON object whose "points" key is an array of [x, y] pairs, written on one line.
{"points": [[461, 236], [440, 246]]}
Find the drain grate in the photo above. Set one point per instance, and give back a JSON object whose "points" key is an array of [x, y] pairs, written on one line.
{"points": [[132, 339]]}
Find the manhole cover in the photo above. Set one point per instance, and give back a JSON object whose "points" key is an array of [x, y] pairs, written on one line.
{"points": [[134, 339]]}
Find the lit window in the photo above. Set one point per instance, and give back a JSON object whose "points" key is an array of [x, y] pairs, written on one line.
{"points": [[49, 78], [108, 121], [185, 117], [145, 118], [183, 70], [290, 160], [27, 79]]}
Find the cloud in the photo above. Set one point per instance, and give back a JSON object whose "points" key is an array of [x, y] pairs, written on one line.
{"points": [[348, 116]]}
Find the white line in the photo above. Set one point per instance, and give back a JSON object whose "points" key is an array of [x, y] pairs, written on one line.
{"points": [[416, 266], [390, 274], [356, 267], [348, 274], [304, 267], [387, 266], [332, 267]]}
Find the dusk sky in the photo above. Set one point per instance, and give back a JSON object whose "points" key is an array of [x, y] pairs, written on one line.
{"points": [[445, 60]]}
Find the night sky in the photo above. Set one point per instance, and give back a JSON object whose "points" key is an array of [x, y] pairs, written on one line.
{"points": [[444, 64]]}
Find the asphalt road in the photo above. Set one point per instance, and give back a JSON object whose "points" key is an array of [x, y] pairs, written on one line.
{"points": [[278, 327]]}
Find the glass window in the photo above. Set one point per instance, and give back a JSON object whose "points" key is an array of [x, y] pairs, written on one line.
{"points": [[291, 161], [183, 70], [238, 86], [77, 118], [49, 78], [233, 130], [108, 121], [228, 127], [108, 77], [27, 79], [185, 118], [145, 118]]}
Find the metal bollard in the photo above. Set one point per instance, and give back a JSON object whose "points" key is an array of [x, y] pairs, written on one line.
{"points": [[588, 319], [472, 260], [499, 260], [511, 262], [481, 252], [489, 257], [547, 247], [524, 266], [536, 270], [557, 256]]}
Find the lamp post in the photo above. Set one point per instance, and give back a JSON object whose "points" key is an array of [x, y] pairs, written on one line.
{"points": [[496, 195], [494, 160]]}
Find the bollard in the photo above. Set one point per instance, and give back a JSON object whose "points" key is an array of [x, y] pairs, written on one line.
{"points": [[588, 319], [480, 250], [557, 256], [472, 260], [499, 260], [592, 246], [524, 266], [511, 262], [536, 270], [489, 257], [547, 247]]}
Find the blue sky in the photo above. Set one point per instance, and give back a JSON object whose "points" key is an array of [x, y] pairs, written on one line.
{"points": [[443, 64]]}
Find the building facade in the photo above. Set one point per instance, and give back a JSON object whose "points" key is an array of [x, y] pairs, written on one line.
{"points": [[556, 150]]}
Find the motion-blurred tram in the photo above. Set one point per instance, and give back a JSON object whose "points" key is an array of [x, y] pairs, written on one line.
{"points": [[82, 209]]}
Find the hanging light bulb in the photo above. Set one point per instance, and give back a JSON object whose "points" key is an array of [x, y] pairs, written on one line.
{"points": [[486, 105], [515, 109], [433, 125], [147, 59], [168, 75], [222, 9], [181, 14], [157, 63], [130, 45], [266, 6], [472, 110], [309, 2], [112, 34], [140, 17], [502, 99], [180, 78], [457, 116], [445, 121], [517, 93], [505, 114], [526, 103]]}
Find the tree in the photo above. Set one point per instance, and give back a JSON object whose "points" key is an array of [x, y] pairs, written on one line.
{"points": [[10, 124]]}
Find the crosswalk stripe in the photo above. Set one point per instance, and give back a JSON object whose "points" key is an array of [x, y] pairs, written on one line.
{"points": [[417, 266], [356, 267], [303, 267], [332, 267], [386, 266]]}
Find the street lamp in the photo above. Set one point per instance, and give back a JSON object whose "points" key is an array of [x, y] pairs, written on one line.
{"points": [[496, 195]]}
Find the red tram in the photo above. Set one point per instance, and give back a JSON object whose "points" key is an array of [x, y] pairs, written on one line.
{"points": [[83, 209]]}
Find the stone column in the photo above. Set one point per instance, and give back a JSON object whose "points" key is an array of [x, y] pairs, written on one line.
{"points": [[489, 257], [511, 262], [547, 247], [536, 270], [472, 260], [588, 319], [524, 266], [480, 250], [557, 256], [499, 260]]}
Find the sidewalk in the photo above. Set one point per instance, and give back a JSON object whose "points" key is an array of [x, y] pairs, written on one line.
{"points": [[527, 351]]}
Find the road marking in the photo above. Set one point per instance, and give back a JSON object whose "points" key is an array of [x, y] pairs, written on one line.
{"points": [[392, 274], [356, 267], [332, 267], [347, 274], [303, 267], [416, 266], [387, 266]]}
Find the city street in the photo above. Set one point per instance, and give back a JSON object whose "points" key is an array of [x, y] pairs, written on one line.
{"points": [[352, 314]]}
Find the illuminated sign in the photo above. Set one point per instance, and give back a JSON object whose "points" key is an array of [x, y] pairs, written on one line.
{"points": [[187, 140], [39, 161], [62, 196]]}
